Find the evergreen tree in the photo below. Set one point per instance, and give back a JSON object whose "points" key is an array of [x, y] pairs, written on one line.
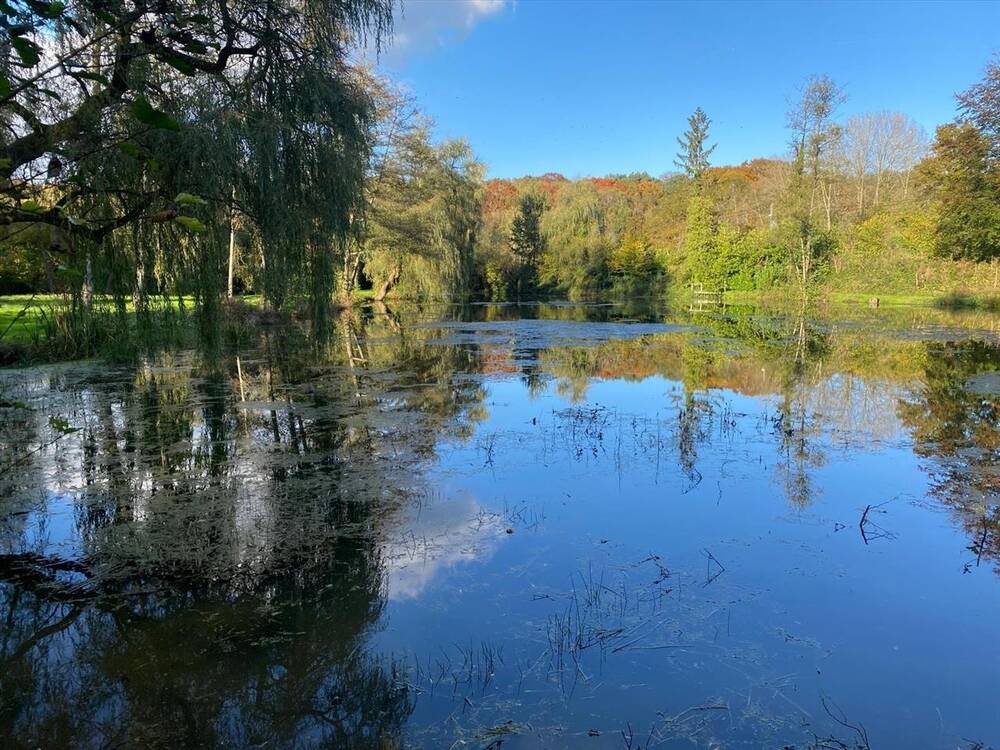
{"points": [[526, 240], [694, 153]]}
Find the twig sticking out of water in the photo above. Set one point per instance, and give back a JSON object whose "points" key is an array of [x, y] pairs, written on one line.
{"points": [[628, 739], [834, 712], [870, 530], [712, 573], [489, 444]]}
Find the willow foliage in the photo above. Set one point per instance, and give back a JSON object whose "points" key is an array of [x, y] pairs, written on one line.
{"points": [[138, 133], [423, 217]]}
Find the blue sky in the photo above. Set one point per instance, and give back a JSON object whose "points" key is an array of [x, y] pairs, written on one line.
{"points": [[585, 87]]}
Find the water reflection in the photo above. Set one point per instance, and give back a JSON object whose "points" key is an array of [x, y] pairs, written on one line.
{"points": [[207, 555], [219, 558], [954, 415]]}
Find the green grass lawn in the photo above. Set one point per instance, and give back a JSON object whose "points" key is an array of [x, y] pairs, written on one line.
{"points": [[24, 313], [952, 300], [21, 315], [949, 300]]}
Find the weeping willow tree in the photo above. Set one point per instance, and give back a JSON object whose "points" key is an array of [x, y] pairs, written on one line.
{"points": [[136, 133], [422, 207]]}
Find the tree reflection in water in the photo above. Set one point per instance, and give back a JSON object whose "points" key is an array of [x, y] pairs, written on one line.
{"points": [[200, 556], [197, 563], [954, 415]]}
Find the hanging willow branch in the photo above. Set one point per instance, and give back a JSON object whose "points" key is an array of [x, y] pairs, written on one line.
{"points": [[171, 116]]}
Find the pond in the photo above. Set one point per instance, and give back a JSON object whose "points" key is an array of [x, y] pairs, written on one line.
{"points": [[547, 526]]}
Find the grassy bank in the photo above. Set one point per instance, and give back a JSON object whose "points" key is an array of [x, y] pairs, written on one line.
{"points": [[21, 316], [939, 300], [44, 327]]}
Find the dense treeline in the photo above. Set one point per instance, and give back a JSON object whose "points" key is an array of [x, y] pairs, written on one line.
{"points": [[864, 204], [209, 150]]}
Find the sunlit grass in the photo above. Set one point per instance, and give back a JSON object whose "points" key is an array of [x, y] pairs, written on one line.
{"points": [[21, 315], [948, 300]]}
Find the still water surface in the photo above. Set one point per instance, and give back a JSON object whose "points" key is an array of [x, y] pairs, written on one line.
{"points": [[541, 527]]}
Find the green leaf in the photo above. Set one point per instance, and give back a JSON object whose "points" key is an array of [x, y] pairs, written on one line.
{"points": [[195, 46], [30, 206], [187, 199], [147, 115], [54, 9], [27, 50], [179, 64], [131, 149], [61, 425], [4, 86], [87, 75], [191, 224], [4, 163]]}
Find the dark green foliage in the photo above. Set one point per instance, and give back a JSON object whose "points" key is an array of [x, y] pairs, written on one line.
{"points": [[700, 246], [966, 185], [526, 241]]}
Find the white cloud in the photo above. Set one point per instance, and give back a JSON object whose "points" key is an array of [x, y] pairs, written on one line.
{"points": [[435, 537], [423, 25]]}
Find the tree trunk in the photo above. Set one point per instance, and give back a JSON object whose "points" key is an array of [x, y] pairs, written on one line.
{"points": [[349, 281], [387, 285], [88, 283], [232, 251], [139, 290]]}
